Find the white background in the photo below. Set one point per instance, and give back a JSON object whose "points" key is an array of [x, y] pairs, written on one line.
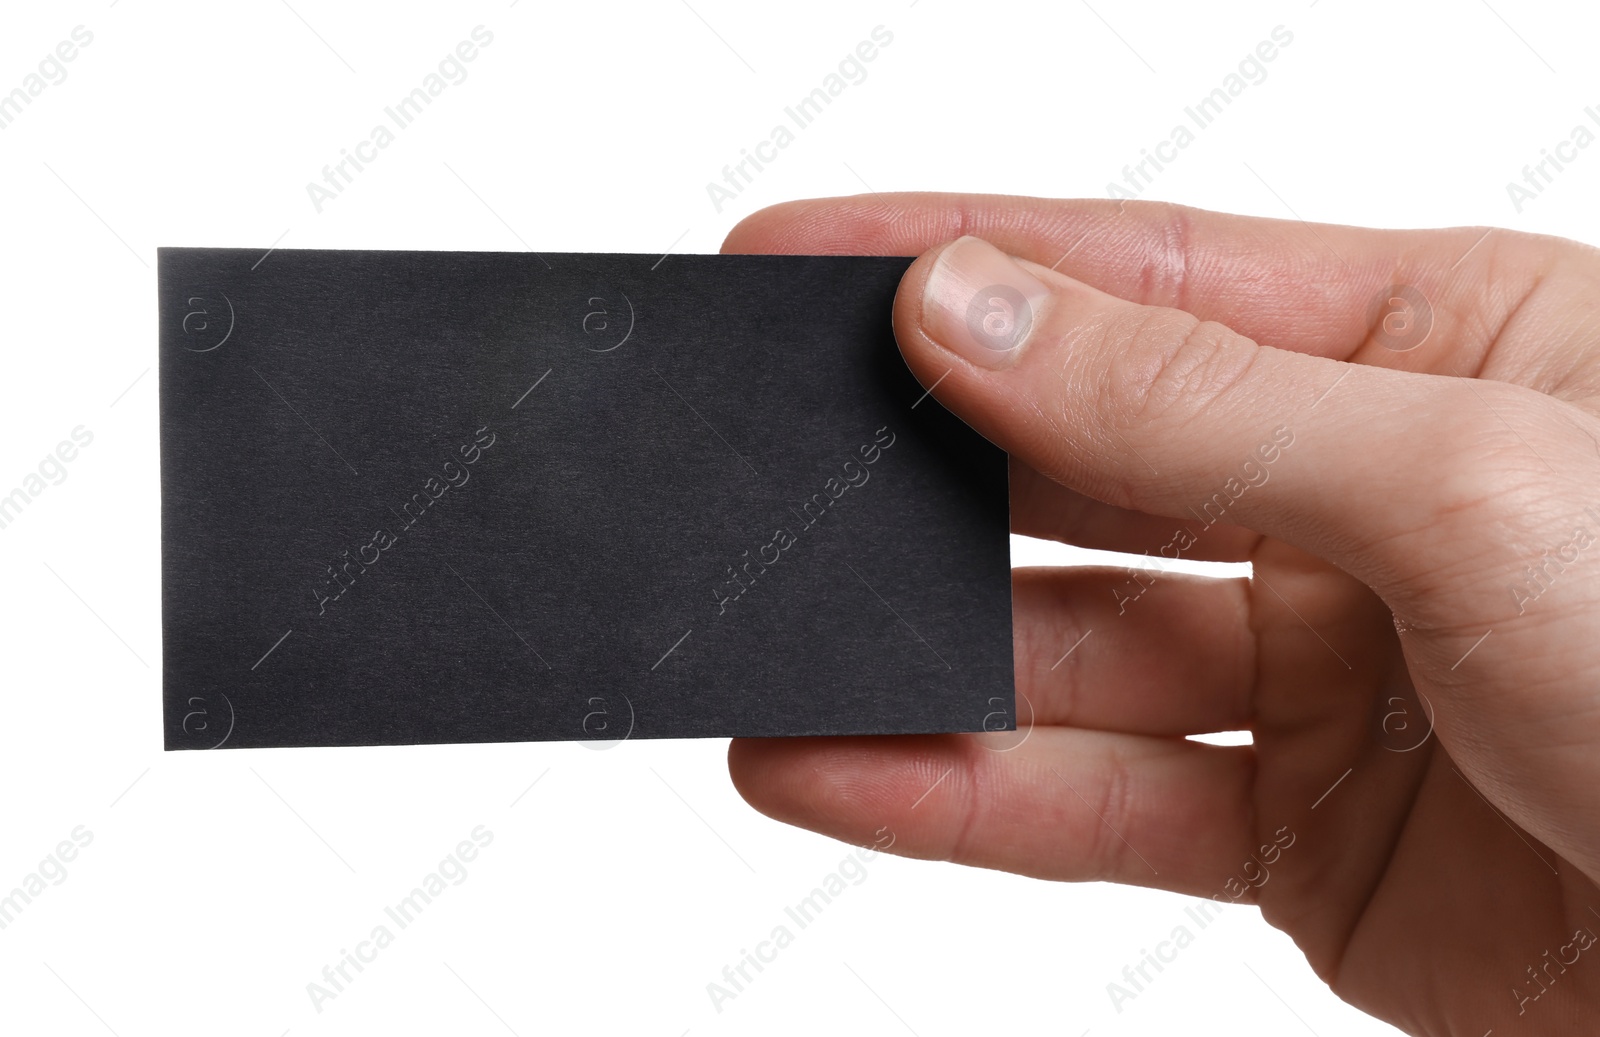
{"points": [[218, 885]]}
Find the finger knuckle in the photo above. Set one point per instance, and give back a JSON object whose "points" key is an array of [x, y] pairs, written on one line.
{"points": [[1110, 854], [1493, 474], [1169, 369], [1499, 493]]}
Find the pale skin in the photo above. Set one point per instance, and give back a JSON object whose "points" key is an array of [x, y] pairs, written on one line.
{"points": [[1391, 544]]}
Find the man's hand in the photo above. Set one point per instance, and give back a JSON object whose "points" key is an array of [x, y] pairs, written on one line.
{"points": [[1399, 431]]}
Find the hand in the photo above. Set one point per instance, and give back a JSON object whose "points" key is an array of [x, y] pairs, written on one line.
{"points": [[1417, 656]]}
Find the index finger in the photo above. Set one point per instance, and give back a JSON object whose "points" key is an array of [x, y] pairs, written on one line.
{"points": [[1312, 288]]}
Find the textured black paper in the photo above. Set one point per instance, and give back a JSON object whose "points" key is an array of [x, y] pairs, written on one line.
{"points": [[458, 497]]}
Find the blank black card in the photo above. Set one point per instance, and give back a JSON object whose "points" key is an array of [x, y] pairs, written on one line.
{"points": [[417, 497]]}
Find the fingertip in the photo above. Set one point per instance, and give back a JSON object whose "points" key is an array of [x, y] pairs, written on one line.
{"points": [[743, 764], [769, 773], [916, 348], [754, 234], [962, 311], [784, 778], [844, 787], [803, 226]]}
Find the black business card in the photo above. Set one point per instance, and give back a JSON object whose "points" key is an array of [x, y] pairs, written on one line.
{"points": [[419, 497]]}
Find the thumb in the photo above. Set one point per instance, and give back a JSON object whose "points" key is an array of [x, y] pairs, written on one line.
{"points": [[1385, 473]]}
